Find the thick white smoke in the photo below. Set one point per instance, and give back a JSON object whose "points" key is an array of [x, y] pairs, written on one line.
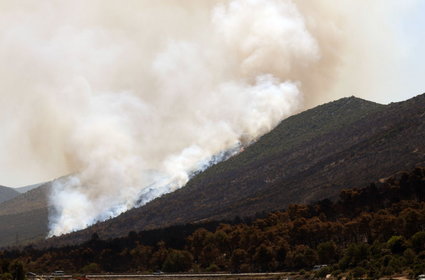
{"points": [[212, 92], [131, 98]]}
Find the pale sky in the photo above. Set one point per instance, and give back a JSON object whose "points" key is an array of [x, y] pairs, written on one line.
{"points": [[393, 46], [412, 31]]}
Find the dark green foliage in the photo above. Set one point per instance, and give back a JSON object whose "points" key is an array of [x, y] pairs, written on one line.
{"points": [[307, 157], [358, 272], [4, 265], [91, 268], [213, 268], [239, 257], [327, 252], [418, 241], [409, 256], [342, 234], [177, 261], [397, 244], [301, 256], [6, 276], [264, 258], [354, 255], [17, 271]]}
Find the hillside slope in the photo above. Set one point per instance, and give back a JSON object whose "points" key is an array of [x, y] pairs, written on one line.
{"points": [[7, 193], [307, 157], [24, 218], [28, 188]]}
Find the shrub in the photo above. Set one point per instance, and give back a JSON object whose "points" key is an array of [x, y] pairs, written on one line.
{"points": [[91, 268], [397, 244], [418, 241], [327, 252], [213, 268], [409, 255], [358, 271], [6, 276], [177, 261]]}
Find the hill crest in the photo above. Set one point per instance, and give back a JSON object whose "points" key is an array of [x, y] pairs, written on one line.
{"points": [[307, 157], [7, 193]]}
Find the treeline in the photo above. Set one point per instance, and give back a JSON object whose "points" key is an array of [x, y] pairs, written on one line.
{"points": [[375, 231]]}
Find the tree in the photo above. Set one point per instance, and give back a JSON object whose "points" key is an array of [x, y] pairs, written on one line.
{"points": [[17, 270], [410, 220], [264, 258], [354, 255], [418, 241], [301, 257], [178, 261], [4, 265], [198, 240], [91, 268], [409, 255], [238, 258], [396, 244], [108, 260], [159, 256], [327, 252], [358, 272], [140, 257], [209, 255]]}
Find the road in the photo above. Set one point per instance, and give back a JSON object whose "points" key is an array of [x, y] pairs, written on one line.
{"points": [[193, 276]]}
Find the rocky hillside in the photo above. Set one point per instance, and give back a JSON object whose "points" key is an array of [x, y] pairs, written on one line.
{"points": [[307, 157]]}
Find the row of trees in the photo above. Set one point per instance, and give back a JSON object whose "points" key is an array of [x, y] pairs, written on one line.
{"points": [[378, 230]]}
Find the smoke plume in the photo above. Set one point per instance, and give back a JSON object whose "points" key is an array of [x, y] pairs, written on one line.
{"points": [[129, 99]]}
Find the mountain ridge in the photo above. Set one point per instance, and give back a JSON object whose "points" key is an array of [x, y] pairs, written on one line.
{"points": [[24, 218], [335, 141], [7, 193], [28, 188]]}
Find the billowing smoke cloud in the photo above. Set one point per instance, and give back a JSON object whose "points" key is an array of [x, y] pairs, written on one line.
{"points": [[133, 98], [209, 93]]}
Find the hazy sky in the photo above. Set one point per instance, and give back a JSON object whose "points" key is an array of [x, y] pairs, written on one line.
{"points": [[411, 30], [393, 69]]}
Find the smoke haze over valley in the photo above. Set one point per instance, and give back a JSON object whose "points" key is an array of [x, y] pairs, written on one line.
{"points": [[128, 101]]}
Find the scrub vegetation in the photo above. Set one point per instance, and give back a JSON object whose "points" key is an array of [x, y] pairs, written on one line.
{"points": [[375, 231]]}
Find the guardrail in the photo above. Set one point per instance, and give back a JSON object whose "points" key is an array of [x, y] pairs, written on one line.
{"points": [[272, 275]]}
